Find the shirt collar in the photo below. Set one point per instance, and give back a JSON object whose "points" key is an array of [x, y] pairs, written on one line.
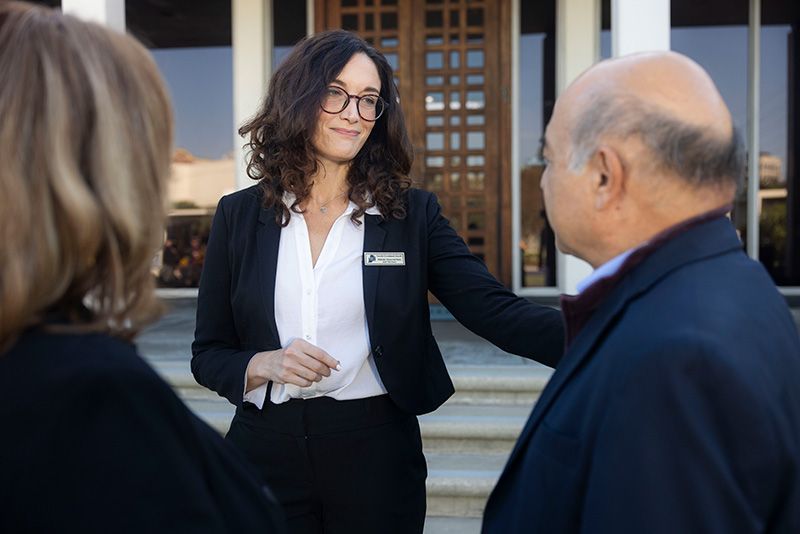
{"points": [[578, 309], [606, 270]]}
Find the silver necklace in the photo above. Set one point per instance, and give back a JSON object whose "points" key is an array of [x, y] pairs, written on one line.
{"points": [[324, 207]]}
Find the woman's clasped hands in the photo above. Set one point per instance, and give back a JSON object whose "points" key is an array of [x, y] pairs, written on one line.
{"points": [[300, 363]]}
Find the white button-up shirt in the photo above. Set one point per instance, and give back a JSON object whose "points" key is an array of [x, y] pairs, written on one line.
{"points": [[324, 305]]}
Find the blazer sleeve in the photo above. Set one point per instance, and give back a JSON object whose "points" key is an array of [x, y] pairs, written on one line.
{"points": [[218, 361], [464, 285]]}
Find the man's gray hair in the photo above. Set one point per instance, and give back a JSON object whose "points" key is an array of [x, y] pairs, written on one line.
{"points": [[699, 156]]}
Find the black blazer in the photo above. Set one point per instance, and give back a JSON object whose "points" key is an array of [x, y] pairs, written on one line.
{"points": [[675, 409], [94, 441], [235, 311]]}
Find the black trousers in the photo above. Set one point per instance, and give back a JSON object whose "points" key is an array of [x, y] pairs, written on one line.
{"points": [[348, 467]]}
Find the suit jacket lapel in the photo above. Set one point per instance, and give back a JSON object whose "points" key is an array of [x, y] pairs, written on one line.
{"points": [[707, 240], [268, 237], [374, 235], [577, 352]]}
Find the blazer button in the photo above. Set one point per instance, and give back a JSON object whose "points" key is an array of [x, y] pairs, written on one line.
{"points": [[377, 351]]}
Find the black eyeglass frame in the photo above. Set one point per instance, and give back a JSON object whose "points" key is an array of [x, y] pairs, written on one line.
{"points": [[358, 103]]}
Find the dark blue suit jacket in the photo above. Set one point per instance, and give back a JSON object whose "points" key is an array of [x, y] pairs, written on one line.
{"points": [[95, 441], [676, 409], [235, 312]]}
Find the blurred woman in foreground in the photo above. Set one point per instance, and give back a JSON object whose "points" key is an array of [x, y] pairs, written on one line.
{"points": [[93, 440]]}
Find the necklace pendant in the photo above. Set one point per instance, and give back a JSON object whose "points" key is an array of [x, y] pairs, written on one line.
{"points": [[324, 209]]}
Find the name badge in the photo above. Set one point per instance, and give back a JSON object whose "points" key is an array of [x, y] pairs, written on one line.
{"points": [[385, 259]]}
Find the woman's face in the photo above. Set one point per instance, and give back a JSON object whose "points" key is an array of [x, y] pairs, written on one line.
{"points": [[339, 136]]}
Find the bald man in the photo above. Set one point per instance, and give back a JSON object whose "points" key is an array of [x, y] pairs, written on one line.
{"points": [[676, 407]]}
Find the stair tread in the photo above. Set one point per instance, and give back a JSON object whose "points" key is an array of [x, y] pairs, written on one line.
{"points": [[466, 464], [455, 411], [452, 525]]}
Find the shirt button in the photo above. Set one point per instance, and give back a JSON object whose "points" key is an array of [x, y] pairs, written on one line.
{"points": [[308, 291], [308, 336]]}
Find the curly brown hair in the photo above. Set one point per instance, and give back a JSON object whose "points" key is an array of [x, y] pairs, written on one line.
{"points": [[280, 152]]}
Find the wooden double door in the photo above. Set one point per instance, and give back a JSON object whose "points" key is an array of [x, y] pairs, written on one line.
{"points": [[452, 66]]}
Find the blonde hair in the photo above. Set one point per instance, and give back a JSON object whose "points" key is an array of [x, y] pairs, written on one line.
{"points": [[85, 144]]}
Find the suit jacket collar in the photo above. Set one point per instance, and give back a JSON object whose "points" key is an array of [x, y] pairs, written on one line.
{"points": [[703, 241]]}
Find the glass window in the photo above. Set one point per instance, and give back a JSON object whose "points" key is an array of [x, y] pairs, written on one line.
{"points": [[715, 35], [434, 60], [779, 128], [537, 90], [198, 70], [434, 101], [475, 59], [393, 60], [434, 141], [717, 40], [289, 26]]}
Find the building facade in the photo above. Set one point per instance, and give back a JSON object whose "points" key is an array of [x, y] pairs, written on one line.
{"points": [[477, 80]]}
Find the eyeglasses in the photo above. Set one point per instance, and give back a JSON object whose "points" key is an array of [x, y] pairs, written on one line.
{"points": [[370, 107]]}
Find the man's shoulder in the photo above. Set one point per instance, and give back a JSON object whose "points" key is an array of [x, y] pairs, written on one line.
{"points": [[725, 308]]}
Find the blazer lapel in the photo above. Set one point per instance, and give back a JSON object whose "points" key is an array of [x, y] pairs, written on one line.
{"points": [[577, 352], [268, 237], [707, 240], [374, 235]]}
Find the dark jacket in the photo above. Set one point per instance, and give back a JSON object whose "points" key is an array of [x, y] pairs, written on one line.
{"points": [[675, 409], [235, 313], [94, 441]]}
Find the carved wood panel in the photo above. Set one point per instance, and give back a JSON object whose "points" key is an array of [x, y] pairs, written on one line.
{"points": [[446, 56]]}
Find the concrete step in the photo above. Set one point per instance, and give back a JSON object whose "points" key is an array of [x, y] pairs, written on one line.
{"points": [[498, 384], [472, 428], [458, 485], [452, 525]]}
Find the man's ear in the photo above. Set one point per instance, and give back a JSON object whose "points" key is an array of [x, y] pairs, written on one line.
{"points": [[610, 177]]}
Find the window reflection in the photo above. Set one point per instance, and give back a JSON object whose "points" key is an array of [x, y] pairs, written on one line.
{"points": [[779, 176], [203, 167], [537, 87]]}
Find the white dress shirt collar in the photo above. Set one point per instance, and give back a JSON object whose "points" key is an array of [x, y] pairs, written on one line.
{"points": [[609, 268]]}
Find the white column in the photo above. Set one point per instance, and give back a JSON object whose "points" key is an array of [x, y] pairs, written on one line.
{"points": [[252, 68], [108, 12], [310, 17], [639, 26], [577, 49]]}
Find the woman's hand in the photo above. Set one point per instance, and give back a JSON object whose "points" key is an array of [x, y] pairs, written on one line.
{"points": [[300, 363]]}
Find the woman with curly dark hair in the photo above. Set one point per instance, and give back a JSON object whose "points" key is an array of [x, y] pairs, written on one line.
{"points": [[313, 314]]}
